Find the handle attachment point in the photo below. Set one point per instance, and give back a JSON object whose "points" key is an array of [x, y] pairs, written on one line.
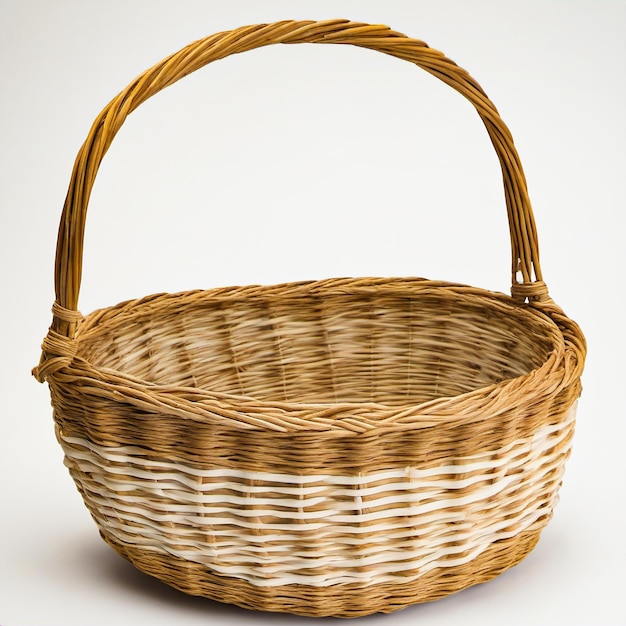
{"points": [[535, 292], [58, 349]]}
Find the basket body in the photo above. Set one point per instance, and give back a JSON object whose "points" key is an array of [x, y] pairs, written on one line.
{"points": [[420, 437], [340, 447]]}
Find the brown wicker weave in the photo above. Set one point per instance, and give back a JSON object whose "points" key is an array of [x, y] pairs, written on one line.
{"points": [[338, 447]]}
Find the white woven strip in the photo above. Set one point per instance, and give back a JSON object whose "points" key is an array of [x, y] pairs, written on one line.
{"points": [[274, 529]]}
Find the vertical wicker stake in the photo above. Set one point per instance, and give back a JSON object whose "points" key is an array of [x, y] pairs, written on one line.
{"points": [[338, 447]]}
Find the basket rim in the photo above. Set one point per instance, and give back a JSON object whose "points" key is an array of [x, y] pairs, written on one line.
{"points": [[246, 411]]}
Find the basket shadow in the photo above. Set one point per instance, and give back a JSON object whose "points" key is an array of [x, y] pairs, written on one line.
{"points": [[115, 572]]}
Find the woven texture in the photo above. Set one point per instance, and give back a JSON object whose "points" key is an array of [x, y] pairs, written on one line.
{"points": [[338, 447]]}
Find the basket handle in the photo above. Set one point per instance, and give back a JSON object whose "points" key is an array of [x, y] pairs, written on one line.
{"points": [[68, 269]]}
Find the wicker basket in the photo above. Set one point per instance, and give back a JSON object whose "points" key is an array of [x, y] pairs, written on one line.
{"points": [[338, 447]]}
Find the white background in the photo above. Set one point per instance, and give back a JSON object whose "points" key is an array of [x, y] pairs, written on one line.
{"points": [[303, 162]]}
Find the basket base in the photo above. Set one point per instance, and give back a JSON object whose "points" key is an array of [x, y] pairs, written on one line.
{"points": [[351, 600]]}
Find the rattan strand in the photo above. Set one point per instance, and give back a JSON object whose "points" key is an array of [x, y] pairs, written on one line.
{"points": [[338, 447]]}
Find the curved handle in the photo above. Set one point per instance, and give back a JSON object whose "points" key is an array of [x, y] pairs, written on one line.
{"points": [[68, 269]]}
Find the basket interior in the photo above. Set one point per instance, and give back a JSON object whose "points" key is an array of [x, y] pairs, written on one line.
{"points": [[392, 350]]}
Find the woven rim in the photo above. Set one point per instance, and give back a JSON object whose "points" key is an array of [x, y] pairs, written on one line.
{"points": [[213, 406]]}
